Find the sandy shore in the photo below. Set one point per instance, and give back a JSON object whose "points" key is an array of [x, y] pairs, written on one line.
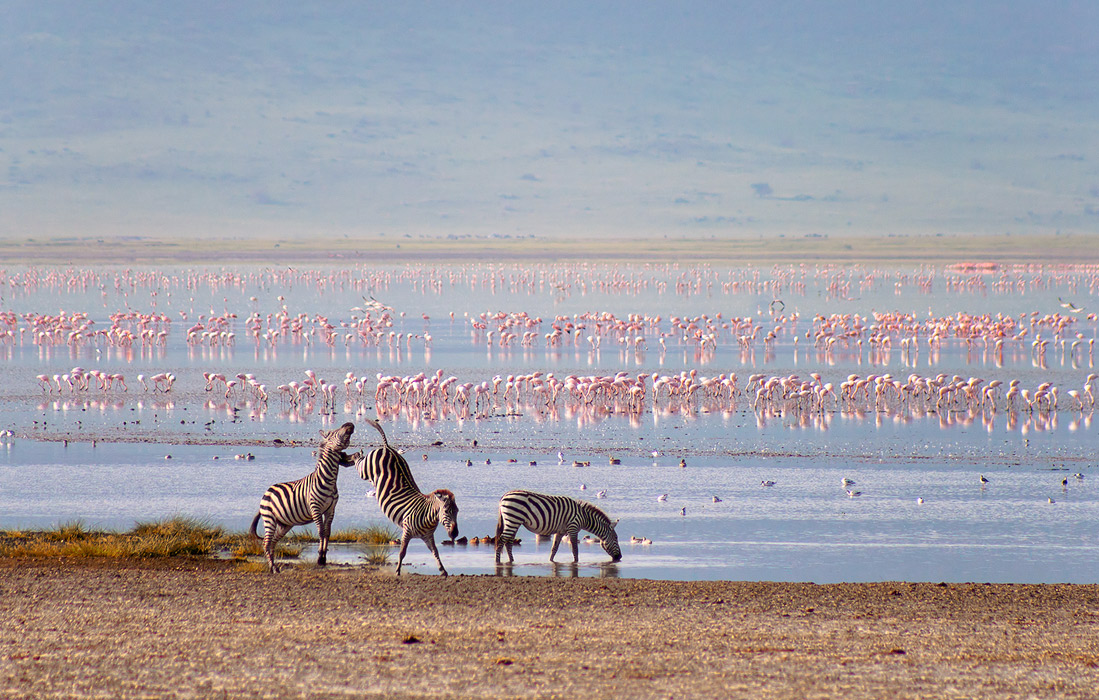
{"points": [[199, 629]]}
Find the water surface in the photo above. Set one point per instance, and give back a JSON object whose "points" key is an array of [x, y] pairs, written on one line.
{"points": [[158, 454]]}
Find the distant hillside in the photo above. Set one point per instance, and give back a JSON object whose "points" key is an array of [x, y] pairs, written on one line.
{"points": [[572, 119]]}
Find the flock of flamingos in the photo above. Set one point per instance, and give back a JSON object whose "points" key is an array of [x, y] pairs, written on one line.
{"points": [[880, 363]]}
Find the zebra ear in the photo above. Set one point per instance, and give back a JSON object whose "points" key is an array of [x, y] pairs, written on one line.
{"points": [[326, 433]]}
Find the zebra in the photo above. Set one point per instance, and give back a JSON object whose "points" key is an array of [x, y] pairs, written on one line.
{"points": [[416, 513], [311, 499], [553, 515]]}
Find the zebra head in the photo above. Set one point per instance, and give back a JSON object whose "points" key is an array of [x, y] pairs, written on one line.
{"points": [[448, 511], [338, 439], [610, 542], [597, 522]]}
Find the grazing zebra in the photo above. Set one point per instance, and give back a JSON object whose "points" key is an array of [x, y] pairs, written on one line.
{"points": [[311, 499], [417, 514], [553, 515]]}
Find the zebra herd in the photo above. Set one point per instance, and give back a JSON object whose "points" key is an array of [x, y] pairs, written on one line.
{"points": [[312, 499]]}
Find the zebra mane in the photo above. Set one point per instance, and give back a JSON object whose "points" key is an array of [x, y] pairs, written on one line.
{"points": [[444, 492], [596, 511]]}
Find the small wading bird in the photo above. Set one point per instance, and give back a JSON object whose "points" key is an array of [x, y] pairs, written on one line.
{"points": [[1072, 308]]}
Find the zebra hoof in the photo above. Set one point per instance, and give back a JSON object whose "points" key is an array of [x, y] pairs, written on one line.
{"points": [[322, 560]]}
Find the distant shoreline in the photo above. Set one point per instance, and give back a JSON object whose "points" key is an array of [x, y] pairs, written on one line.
{"points": [[982, 252]]}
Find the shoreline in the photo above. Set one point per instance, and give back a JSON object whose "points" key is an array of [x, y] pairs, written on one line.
{"points": [[198, 628], [973, 253]]}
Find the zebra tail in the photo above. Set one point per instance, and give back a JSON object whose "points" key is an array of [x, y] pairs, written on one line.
{"points": [[378, 427], [499, 528], [255, 521]]}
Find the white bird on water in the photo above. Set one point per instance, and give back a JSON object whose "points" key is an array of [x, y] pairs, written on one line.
{"points": [[583, 487], [717, 500], [662, 497], [683, 510], [767, 483], [601, 494], [853, 494], [847, 482]]}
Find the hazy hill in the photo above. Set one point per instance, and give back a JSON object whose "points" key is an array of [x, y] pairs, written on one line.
{"points": [[509, 119]]}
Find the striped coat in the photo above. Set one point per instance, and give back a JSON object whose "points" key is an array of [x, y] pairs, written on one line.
{"points": [[311, 499], [553, 515], [416, 513]]}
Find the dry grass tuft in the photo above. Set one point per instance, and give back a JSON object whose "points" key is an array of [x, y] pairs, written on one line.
{"points": [[371, 535], [377, 555], [176, 536]]}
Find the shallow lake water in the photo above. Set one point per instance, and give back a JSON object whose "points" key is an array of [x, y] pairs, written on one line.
{"points": [[110, 457]]}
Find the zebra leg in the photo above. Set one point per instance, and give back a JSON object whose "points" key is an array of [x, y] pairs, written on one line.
{"points": [[505, 537], [405, 537], [323, 521], [509, 541], [574, 537], [499, 536], [271, 537], [556, 543], [429, 540]]}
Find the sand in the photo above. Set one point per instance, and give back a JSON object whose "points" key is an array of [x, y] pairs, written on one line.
{"points": [[197, 628]]}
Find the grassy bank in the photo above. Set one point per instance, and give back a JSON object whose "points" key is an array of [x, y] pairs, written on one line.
{"points": [[178, 536]]}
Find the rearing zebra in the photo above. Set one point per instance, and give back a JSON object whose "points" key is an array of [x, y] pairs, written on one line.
{"points": [[553, 515], [311, 499], [417, 514]]}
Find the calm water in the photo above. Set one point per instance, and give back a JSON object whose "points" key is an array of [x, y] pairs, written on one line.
{"points": [[805, 527]]}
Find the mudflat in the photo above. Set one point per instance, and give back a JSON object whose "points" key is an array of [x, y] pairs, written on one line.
{"points": [[199, 628]]}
